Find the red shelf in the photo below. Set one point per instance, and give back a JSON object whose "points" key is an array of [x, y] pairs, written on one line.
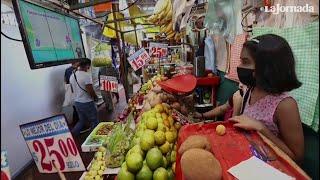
{"points": [[208, 81]]}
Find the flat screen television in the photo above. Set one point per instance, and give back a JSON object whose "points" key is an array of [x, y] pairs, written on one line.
{"points": [[50, 38]]}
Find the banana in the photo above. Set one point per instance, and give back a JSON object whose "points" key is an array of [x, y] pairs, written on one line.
{"points": [[168, 7], [161, 15], [160, 6], [170, 35], [162, 28], [169, 16], [152, 18], [177, 36], [169, 27]]}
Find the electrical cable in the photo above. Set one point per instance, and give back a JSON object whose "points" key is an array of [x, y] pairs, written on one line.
{"points": [[13, 39]]}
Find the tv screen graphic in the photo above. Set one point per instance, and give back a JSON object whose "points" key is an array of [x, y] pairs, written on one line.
{"points": [[50, 38]]}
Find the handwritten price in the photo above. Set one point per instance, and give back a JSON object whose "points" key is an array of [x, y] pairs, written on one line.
{"points": [[60, 154], [109, 86], [158, 52], [139, 59]]}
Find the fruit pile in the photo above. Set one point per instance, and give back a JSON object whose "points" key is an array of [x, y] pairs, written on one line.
{"points": [[118, 144], [162, 15], [101, 62], [105, 129], [98, 165], [153, 148], [146, 87]]}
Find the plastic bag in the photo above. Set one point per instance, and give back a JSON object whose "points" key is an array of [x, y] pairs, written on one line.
{"points": [[69, 96], [220, 19], [102, 55], [210, 55]]}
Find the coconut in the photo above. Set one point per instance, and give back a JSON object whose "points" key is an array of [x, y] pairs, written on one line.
{"points": [[199, 164], [195, 141]]}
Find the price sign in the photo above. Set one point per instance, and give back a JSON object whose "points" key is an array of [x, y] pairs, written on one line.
{"points": [[5, 173], [108, 83], [50, 140], [158, 50], [138, 59]]}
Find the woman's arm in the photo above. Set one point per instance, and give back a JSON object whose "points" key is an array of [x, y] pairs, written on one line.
{"points": [[237, 103], [217, 111], [290, 127]]}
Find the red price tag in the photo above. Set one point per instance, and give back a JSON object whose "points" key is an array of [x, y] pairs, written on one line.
{"points": [[138, 59], [158, 50], [108, 83], [50, 140]]}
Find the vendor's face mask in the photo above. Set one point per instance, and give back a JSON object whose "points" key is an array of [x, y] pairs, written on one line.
{"points": [[246, 77]]}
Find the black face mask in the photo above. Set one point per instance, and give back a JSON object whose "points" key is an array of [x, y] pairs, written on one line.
{"points": [[245, 76]]}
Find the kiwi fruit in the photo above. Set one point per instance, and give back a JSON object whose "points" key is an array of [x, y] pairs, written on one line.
{"points": [[199, 164], [195, 141]]}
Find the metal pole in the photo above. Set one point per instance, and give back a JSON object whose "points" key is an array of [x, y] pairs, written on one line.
{"points": [[121, 53], [125, 67], [135, 32]]}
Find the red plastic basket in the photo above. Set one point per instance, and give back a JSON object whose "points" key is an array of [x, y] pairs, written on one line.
{"points": [[230, 149]]}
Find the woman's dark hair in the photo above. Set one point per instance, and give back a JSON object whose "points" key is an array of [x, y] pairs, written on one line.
{"points": [[84, 63], [274, 63]]}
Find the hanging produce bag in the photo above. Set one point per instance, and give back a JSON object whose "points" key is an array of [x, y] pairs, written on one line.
{"points": [[102, 55], [220, 19]]}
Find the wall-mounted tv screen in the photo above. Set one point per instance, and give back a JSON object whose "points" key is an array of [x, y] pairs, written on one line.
{"points": [[50, 38]]}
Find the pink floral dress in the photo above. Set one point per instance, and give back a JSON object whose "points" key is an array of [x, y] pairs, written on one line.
{"points": [[264, 109]]}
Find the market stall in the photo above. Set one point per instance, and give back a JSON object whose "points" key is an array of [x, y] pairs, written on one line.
{"points": [[163, 111], [162, 133]]}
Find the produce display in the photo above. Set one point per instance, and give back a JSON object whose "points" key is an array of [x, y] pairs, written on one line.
{"points": [[97, 137], [105, 129], [153, 147], [183, 104], [97, 166], [162, 15], [101, 62], [95, 141], [118, 144], [146, 87]]}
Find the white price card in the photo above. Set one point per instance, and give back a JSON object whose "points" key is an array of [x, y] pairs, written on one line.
{"points": [[50, 141], [5, 173], [138, 59], [158, 50], [108, 83]]}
